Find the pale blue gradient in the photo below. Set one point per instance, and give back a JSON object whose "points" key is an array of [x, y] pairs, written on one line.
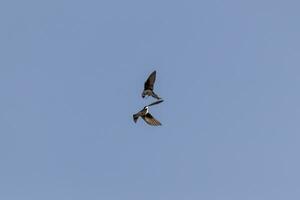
{"points": [[72, 73]]}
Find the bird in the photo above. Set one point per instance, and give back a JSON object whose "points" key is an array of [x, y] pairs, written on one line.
{"points": [[146, 116], [148, 86]]}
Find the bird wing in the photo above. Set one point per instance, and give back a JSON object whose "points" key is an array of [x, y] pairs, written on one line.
{"points": [[150, 81], [149, 119], [156, 102]]}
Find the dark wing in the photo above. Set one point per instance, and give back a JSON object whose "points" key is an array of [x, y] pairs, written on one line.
{"points": [[150, 81], [149, 119], [156, 102]]}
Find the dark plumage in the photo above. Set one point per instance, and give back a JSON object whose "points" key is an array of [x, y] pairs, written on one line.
{"points": [[146, 116], [149, 86]]}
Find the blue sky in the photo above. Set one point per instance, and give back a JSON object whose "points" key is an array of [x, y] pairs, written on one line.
{"points": [[71, 76]]}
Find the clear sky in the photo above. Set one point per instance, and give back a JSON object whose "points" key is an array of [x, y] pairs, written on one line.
{"points": [[72, 73]]}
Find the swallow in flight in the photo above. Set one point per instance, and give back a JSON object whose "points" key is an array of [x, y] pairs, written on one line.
{"points": [[146, 116], [149, 86]]}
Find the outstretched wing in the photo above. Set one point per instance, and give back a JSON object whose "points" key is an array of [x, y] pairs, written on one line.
{"points": [[156, 102], [150, 81], [149, 119]]}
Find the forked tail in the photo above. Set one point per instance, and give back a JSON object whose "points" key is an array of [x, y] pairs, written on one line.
{"points": [[135, 117]]}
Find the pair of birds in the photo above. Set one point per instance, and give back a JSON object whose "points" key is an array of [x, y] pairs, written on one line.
{"points": [[148, 91]]}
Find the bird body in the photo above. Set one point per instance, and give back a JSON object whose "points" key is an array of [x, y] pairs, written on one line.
{"points": [[149, 86], [146, 116]]}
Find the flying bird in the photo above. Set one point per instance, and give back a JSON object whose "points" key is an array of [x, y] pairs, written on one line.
{"points": [[147, 117], [148, 86]]}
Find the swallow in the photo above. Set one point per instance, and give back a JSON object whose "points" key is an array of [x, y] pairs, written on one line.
{"points": [[146, 116], [148, 86]]}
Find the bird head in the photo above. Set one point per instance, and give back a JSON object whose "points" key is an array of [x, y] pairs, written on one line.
{"points": [[147, 109]]}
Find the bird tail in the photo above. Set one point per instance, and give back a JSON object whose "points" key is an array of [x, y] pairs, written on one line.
{"points": [[135, 117]]}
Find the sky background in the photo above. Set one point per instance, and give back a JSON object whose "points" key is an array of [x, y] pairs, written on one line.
{"points": [[72, 73]]}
